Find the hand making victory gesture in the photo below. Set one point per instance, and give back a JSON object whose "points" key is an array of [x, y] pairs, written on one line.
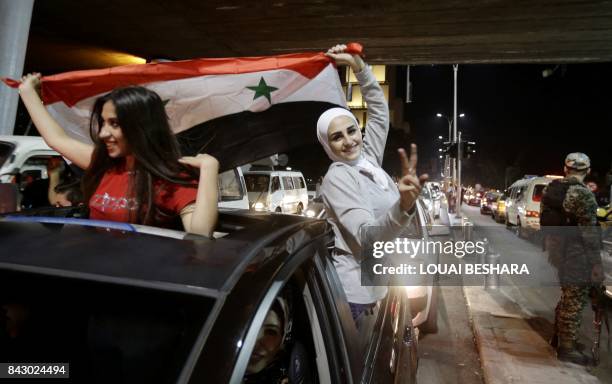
{"points": [[410, 184]]}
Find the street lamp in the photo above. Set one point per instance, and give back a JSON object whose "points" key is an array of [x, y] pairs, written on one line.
{"points": [[450, 124]]}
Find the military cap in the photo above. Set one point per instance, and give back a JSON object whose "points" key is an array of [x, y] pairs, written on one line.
{"points": [[578, 161]]}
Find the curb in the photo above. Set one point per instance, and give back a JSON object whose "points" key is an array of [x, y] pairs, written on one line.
{"points": [[510, 350]]}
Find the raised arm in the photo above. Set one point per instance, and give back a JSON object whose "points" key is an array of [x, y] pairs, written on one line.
{"points": [[201, 217], [377, 126], [54, 135]]}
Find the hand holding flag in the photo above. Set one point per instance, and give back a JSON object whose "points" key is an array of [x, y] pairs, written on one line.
{"points": [[31, 82], [347, 55]]}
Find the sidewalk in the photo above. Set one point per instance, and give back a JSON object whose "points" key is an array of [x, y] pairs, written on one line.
{"points": [[510, 349]]}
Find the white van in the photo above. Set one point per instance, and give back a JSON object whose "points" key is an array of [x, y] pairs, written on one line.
{"points": [[523, 204], [277, 191]]}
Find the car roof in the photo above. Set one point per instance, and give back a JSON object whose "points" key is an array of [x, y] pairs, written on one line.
{"points": [[29, 142], [116, 254], [533, 180], [262, 172]]}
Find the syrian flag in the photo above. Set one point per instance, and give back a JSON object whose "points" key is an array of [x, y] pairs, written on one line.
{"points": [[236, 109]]}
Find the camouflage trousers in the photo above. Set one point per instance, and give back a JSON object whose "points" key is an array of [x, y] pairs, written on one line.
{"points": [[568, 313]]}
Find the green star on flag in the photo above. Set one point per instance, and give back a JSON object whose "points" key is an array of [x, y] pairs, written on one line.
{"points": [[263, 89]]}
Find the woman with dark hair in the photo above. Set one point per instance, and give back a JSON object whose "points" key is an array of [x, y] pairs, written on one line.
{"points": [[134, 171]]}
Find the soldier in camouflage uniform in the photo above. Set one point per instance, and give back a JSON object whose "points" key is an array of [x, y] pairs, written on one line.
{"points": [[574, 251]]}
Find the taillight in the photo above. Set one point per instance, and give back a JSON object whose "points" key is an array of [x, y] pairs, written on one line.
{"points": [[533, 214]]}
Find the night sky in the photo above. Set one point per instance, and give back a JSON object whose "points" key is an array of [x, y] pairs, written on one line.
{"points": [[522, 122]]}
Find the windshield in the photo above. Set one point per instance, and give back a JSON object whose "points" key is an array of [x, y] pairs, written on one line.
{"points": [[5, 151], [257, 183]]}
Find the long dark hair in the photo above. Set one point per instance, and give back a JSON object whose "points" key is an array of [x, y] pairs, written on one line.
{"points": [[144, 124]]}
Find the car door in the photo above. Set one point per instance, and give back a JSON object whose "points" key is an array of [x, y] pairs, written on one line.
{"points": [[316, 331], [387, 354]]}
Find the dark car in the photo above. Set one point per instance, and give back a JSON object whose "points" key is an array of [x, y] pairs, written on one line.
{"points": [[127, 304], [487, 201]]}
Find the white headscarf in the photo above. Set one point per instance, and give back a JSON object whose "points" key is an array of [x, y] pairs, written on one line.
{"points": [[362, 162]]}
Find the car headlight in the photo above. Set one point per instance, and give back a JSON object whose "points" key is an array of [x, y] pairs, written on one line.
{"points": [[259, 206], [310, 213]]}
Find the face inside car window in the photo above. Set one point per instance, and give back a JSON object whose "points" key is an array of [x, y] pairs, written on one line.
{"points": [[269, 342]]}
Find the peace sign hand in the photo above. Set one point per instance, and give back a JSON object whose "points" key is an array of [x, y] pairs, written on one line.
{"points": [[410, 184]]}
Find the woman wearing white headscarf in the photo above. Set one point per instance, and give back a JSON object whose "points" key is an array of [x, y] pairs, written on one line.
{"points": [[356, 191]]}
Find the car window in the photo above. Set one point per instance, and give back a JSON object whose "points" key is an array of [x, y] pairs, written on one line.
{"points": [[257, 183], [537, 192], [513, 193], [298, 182], [287, 183], [275, 184], [109, 332], [5, 151], [230, 187], [284, 338]]}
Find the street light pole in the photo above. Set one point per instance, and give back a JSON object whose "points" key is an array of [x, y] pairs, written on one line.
{"points": [[450, 163], [456, 169], [459, 154]]}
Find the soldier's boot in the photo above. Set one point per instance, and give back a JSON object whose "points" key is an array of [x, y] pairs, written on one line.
{"points": [[554, 342], [569, 352]]}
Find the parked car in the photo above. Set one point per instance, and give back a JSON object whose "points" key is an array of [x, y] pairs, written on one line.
{"points": [[523, 204], [498, 208], [486, 203], [143, 304], [277, 191]]}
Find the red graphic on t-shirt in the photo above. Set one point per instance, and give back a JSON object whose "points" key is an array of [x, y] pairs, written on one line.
{"points": [[111, 201]]}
